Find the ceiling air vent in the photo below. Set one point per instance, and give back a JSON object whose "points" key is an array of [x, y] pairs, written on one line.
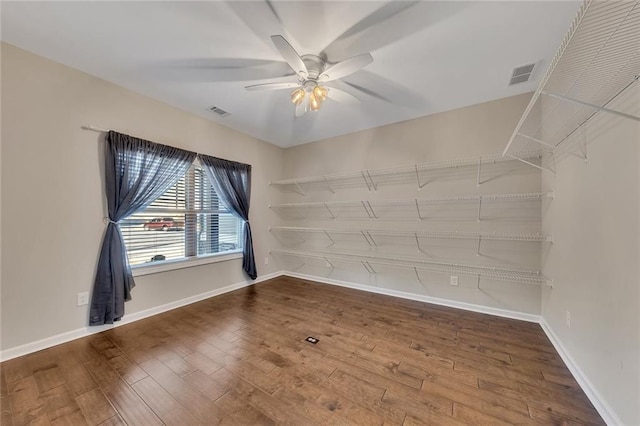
{"points": [[521, 74], [219, 111]]}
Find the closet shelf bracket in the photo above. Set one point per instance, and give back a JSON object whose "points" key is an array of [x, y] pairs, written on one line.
{"points": [[328, 185], [330, 212], [329, 263], [418, 210], [368, 180], [420, 185], [418, 276], [372, 211], [329, 237], [594, 106], [532, 164], [299, 189], [552, 147]]}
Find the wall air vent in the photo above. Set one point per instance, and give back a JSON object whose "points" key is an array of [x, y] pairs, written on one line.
{"points": [[521, 74], [219, 111]]}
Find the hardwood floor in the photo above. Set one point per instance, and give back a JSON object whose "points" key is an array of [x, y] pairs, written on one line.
{"points": [[241, 358]]}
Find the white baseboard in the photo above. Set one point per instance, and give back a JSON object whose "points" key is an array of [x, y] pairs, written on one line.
{"points": [[605, 411], [421, 298], [78, 333]]}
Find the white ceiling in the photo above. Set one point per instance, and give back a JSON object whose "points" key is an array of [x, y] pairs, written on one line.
{"points": [[429, 56]]}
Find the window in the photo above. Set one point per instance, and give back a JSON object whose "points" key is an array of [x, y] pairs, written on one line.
{"points": [[188, 221]]}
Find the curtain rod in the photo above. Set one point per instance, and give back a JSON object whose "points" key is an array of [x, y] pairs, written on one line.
{"points": [[94, 129], [101, 130]]}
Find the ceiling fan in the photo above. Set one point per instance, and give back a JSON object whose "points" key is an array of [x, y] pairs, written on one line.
{"points": [[313, 71]]}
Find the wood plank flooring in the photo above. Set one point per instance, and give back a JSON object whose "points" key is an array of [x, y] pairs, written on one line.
{"points": [[241, 358]]}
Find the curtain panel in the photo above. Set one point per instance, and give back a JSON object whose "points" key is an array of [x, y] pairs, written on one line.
{"points": [[136, 173], [232, 183]]}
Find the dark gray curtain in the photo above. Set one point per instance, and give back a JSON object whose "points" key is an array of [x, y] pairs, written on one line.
{"points": [[136, 173], [232, 183]]}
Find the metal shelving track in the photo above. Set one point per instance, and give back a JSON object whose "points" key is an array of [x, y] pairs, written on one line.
{"points": [[368, 262], [598, 60], [373, 177]]}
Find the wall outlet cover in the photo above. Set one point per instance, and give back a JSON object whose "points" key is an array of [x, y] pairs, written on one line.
{"points": [[453, 280], [83, 299]]}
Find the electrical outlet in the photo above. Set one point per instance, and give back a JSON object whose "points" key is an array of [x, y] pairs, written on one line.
{"points": [[453, 280], [266, 260], [568, 319], [83, 299]]}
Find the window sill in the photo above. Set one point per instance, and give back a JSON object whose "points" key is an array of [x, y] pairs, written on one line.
{"points": [[170, 265]]}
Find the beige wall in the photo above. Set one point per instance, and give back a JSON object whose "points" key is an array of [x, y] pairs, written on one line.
{"points": [[595, 257], [464, 133], [52, 192]]}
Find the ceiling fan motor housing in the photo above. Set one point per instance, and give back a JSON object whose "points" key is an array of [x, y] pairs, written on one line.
{"points": [[315, 66]]}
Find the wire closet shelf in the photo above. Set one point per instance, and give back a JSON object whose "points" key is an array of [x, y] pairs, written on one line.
{"points": [[397, 209], [598, 60], [420, 174], [368, 234], [371, 262]]}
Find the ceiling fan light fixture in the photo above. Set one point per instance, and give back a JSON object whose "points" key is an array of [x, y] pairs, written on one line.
{"points": [[297, 96], [320, 93], [314, 104]]}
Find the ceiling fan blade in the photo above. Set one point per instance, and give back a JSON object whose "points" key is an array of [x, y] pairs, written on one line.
{"points": [[366, 91], [301, 108], [346, 67], [272, 8], [342, 96], [290, 55], [391, 22], [271, 86]]}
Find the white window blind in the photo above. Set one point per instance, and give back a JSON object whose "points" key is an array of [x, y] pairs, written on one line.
{"points": [[187, 221]]}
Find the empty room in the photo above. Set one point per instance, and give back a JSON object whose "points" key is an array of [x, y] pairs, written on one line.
{"points": [[288, 212]]}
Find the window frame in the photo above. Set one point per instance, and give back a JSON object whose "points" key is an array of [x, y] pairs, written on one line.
{"points": [[142, 269], [188, 262]]}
